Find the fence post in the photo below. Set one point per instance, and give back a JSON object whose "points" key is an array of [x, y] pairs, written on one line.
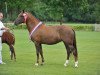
{"points": [[97, 27]]}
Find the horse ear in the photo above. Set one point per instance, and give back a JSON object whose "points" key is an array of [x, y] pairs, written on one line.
{"points": [[23, 11]]}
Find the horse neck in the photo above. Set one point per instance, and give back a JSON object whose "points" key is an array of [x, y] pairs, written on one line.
{"points": [[31, 23]]}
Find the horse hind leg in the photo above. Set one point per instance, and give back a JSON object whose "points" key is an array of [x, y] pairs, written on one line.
{"points": [[70, 49], [68, 55], [76, 57], [74, 51], [12, 52]]}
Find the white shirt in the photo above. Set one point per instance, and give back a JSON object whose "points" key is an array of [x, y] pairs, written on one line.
{"points": [[1, 26]]}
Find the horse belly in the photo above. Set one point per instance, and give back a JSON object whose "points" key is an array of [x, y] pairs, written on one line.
{"points": [[48, 36], [51, 40]]}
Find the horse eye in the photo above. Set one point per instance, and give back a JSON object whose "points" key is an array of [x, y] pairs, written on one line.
{"points": [[21, 16]]}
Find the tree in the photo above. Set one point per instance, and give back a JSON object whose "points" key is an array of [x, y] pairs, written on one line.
{"points": [[55, 10]]}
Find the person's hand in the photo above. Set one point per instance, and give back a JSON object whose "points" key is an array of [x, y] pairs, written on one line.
{"points": [[7, 29]]}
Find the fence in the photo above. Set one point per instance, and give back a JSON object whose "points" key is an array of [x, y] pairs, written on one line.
{"points": [[97, 27]]}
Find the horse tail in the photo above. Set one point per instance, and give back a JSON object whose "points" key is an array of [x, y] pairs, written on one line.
{"points": [[13, 40], [74, 41]]}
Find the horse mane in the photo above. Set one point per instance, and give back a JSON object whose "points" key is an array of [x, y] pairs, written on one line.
{"points": [[31, 15]]}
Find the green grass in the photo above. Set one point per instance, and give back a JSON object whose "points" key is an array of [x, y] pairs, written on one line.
{"points": [[88, 44]]}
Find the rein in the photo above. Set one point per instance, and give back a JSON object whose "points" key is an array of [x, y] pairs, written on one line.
{"points": [[40, 23]]}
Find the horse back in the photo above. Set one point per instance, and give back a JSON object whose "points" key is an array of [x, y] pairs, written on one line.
{"points": [[65, 33], [61, 30], [8, 38]]}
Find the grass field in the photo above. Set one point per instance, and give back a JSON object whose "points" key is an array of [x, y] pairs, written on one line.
{"points": [[88, 44]]}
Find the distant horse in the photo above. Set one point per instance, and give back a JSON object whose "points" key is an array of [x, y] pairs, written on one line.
{"points": [[9, 39], [41, 34]]}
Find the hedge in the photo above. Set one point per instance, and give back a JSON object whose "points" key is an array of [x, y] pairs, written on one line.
{"points": [[83, 28], [76, 27]]}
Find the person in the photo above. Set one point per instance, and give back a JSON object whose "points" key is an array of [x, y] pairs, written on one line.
{"points": [[2, 29]]}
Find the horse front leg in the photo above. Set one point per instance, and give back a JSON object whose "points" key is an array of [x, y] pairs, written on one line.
{"points": [[39, 51]]}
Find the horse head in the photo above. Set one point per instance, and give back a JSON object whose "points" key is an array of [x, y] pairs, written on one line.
{"points": [[21, 18]]}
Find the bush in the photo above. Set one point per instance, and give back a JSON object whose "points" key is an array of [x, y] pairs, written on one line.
{"points": [[83, 27], [11, 26], [76, 27]]}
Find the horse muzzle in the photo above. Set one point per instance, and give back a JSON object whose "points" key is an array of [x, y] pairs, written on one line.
{"points": [[15, 23]]}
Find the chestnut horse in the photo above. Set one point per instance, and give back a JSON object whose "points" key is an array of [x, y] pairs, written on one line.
{"points": [[41, 34], [9, 39]]}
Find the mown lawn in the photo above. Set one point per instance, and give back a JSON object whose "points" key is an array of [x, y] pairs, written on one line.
{"points": [[55, 55]]}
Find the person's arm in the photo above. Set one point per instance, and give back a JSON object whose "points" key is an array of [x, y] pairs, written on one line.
{"points": [[5, 28]]}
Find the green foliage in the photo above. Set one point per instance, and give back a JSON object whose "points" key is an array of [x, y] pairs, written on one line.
{"points": [[78, 27], [83, 28], [96, 13], [55, 10]]}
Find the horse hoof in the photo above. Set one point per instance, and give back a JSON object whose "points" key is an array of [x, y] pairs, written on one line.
{"points": [[36, 64], [76, 66], [42, 63], [15, 60], [65, 64]]}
